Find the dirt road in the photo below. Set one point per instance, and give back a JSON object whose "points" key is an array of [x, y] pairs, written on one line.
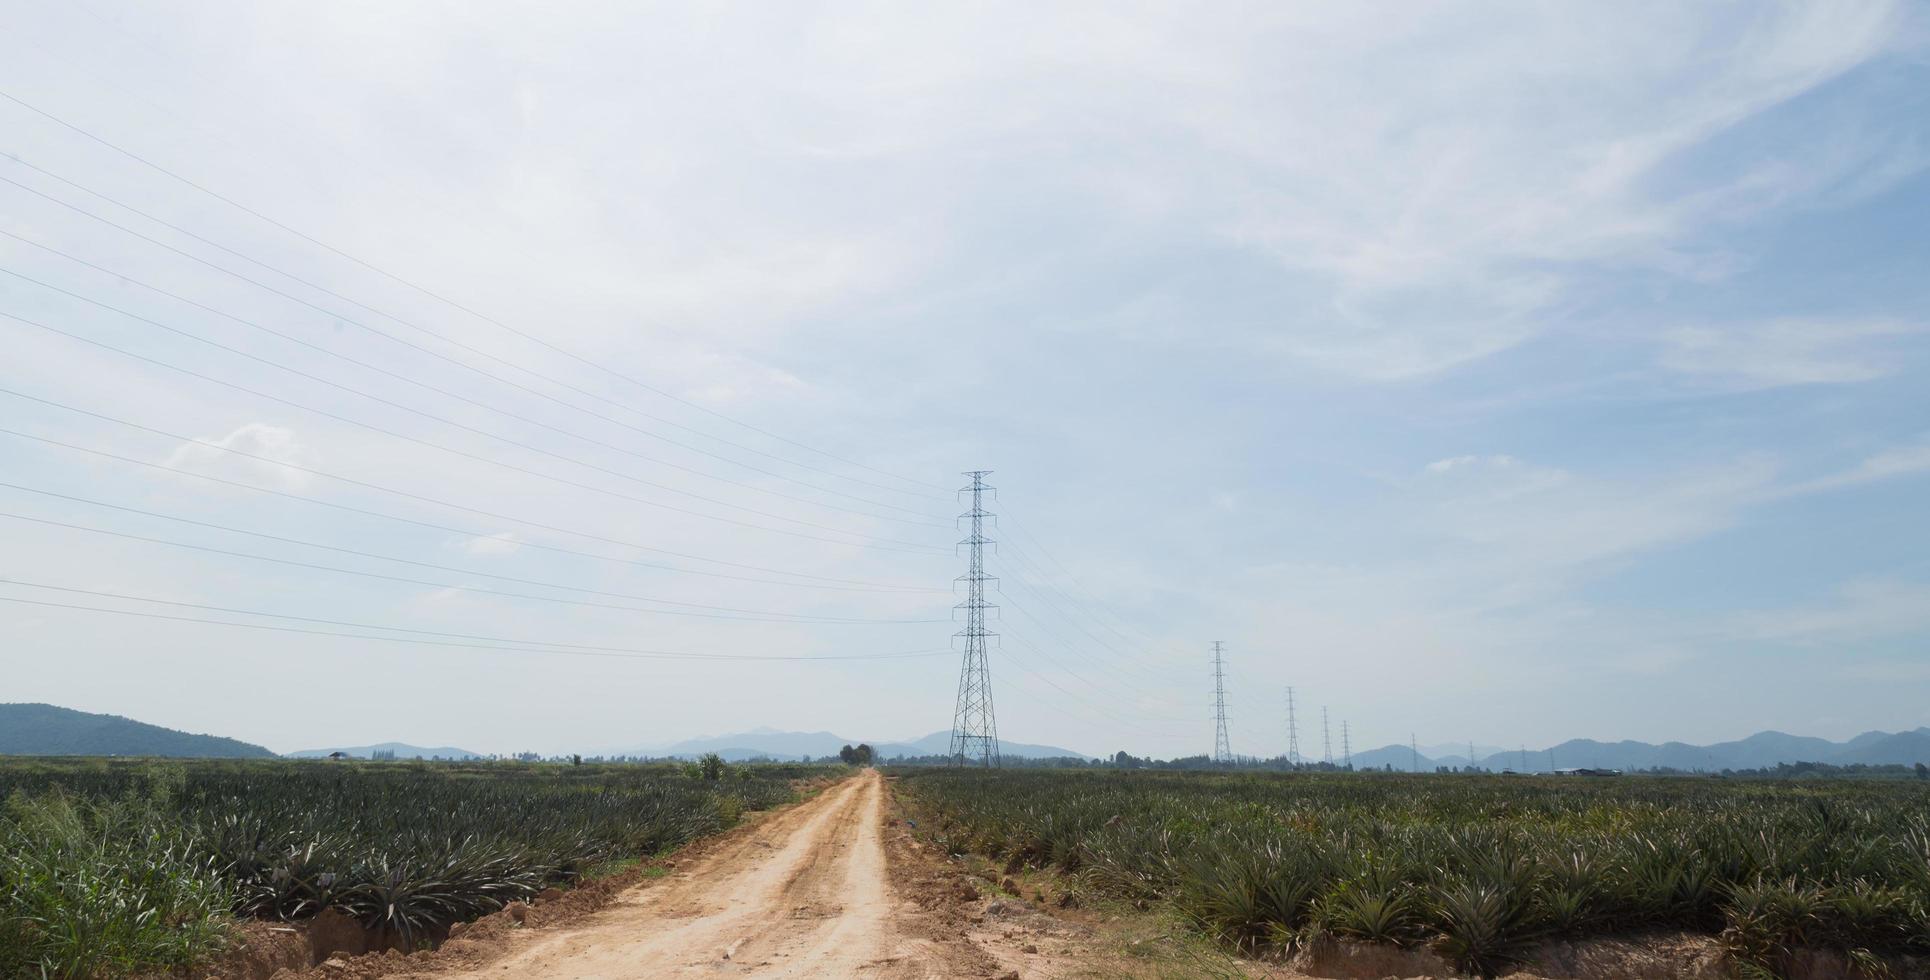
{"points": [[833, 887], [802, 894]]}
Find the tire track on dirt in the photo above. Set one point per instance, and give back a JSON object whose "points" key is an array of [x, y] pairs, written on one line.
{"points": [[804, 894]]}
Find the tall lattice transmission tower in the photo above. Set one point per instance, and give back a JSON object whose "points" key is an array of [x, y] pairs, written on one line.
{"points": [[1346, 745], [1293, 732], [1222, 750], [1326, 739], [975, 736]]}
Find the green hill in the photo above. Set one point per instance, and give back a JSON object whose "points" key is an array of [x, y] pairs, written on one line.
{"points": [[44, 729]]}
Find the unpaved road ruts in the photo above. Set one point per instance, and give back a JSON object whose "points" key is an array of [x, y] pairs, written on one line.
{"points": [[807, 892], [803, 894]]}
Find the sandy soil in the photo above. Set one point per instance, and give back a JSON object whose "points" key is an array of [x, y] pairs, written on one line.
{"points": [[803, 893]]}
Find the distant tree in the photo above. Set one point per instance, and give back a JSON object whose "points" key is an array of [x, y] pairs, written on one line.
{"points": [[863, 754], [1923, 771], [576, 760], [849, 755]]}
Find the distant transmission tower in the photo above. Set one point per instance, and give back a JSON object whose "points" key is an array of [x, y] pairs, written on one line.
{"points": [[1293, 732], [1326, 739], [975, 737], [1524, 757], [1470, 755], [1222, 751], [1346, 744], [1414, 748]]}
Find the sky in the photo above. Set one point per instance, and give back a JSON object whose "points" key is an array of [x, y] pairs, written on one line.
{"points": [[1494, 372]]}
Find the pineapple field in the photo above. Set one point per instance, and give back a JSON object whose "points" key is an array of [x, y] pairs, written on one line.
{"points": [[112, 867], [1479, 869]]}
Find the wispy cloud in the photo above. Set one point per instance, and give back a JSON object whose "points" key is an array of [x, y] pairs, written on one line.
{"points": [[270, 443], [1898, 461], [504, 543], [1788, 351], [1205, 279], [1511, 531], [1430, 242], [1858, 611]]}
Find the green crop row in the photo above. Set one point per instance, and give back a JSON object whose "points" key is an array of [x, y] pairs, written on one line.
{"points": [[110, 867], [1479, 868]]}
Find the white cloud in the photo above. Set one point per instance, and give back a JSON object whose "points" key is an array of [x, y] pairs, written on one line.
{"points": [[1913, 671], [264, 444], [839, 223], [1447, 202], [1470, 461], [1859, 611], [1788, 351], [1477, 536], [504, 543], [1894, 462], [1492, 479], [1423, 193]]}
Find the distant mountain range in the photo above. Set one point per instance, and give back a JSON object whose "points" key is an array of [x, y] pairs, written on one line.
{"points": [[44, 729], [1759, 751], [398, 750], [772, 744]]}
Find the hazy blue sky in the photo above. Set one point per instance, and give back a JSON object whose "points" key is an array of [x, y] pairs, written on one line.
{"points": [[1506, 372]]}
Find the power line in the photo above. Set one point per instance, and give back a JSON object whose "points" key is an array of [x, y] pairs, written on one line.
{"points": [[452, 303], [1007, 601], [1109, 667], [523, 646], [1096, 664], [1119, 659], [1096, 601], [719, 612], [290, 338], [830, 582], [1128, 722], [889, 544], [1070, 645], [407, 561], [451, 422]]}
